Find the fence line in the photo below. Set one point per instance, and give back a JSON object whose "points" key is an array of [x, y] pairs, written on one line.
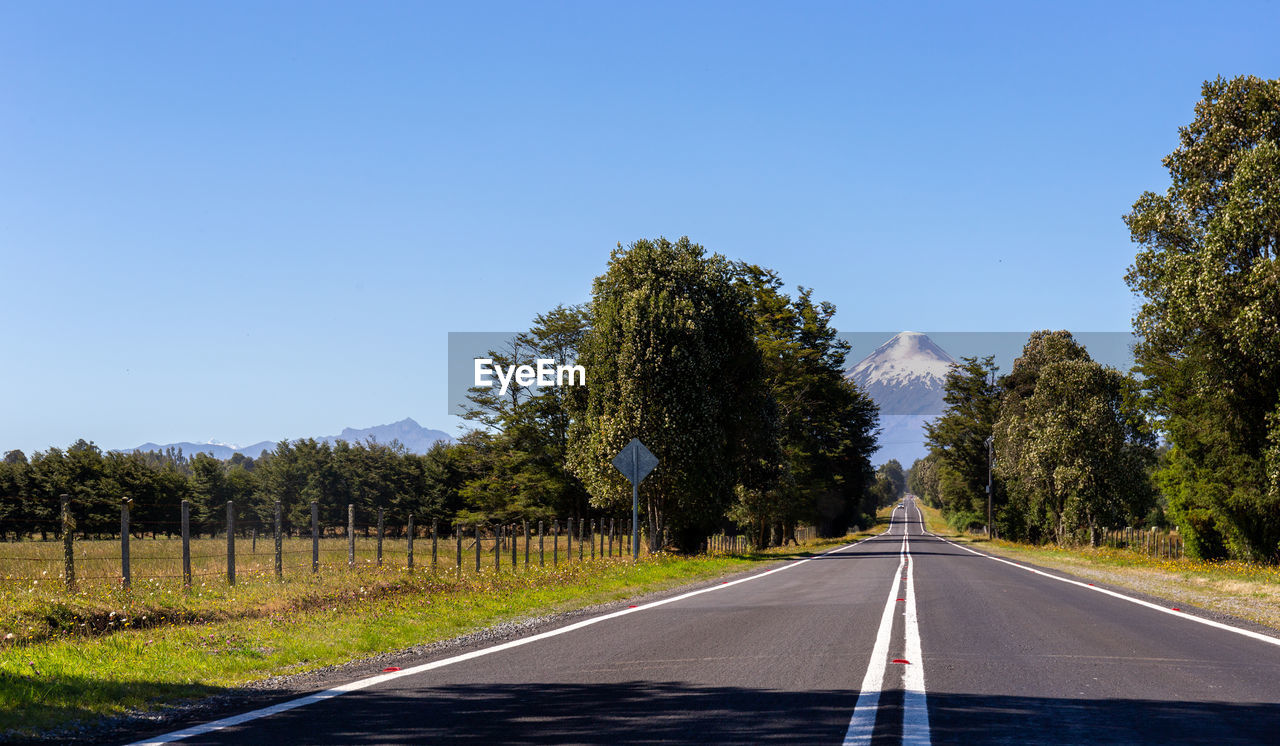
{"points": [[389, 543], [1151, 542]]}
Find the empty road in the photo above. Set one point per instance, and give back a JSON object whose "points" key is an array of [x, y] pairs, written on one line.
{"points": [[901, 638]]}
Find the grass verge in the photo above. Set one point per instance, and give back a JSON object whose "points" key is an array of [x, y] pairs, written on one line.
{"points": [[75, 677], [1241, 589]]}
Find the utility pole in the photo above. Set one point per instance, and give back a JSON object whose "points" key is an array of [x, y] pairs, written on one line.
{"points": [[991, 439]]}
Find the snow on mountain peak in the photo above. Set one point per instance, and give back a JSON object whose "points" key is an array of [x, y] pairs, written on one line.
{"points": [[909, 358]]}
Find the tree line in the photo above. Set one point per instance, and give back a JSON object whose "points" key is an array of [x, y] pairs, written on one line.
{"points": [[735, 385], [1060, 442], [1192, 435]]}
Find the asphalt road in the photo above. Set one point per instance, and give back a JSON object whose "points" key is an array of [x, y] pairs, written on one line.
{"points": [[902, 638]]}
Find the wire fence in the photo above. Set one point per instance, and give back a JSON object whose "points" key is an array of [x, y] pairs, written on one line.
{"points": [[1151, 542], [274, 552]]}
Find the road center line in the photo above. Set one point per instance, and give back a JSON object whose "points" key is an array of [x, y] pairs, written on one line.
{"points": [[915, 706], [337, 691], [863, 722]]}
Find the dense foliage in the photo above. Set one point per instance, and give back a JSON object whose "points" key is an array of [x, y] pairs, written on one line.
{"points": [[1209, 278], [1072, 455]]}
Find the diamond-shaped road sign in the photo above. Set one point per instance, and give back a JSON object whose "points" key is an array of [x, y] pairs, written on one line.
{"points": [[635, 461]]}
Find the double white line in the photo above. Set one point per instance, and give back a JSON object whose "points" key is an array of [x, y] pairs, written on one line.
{"points": [[915, 710]]}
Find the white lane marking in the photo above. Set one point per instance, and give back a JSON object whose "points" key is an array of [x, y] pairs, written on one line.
{"points": [[863, 721], [216, 725], [1155, 607], [915, 705]]}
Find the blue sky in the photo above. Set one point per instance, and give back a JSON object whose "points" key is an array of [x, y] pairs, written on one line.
{"points": [[260, 220]]}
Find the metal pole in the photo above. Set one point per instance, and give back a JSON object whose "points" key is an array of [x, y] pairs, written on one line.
{"points": [[635, 522], [990, 445]]}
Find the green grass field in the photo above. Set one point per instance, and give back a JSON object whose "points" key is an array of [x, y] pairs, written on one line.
{"points": [[104, 650]]}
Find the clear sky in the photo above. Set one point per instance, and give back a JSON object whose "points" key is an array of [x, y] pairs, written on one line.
{"points": [[253, 220]]}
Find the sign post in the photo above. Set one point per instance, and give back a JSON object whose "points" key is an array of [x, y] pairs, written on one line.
{"points": [[635, 462]]}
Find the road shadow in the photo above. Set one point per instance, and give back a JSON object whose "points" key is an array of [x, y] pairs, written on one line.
{"points": [[644, 712], [968, 718]]}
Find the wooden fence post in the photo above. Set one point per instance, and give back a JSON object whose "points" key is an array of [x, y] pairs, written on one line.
{"points": [[568, 553], [409, 555], [513, 547], [477, 549], [186, 544], [582, 525], [125, 579], [497, 547], [315, 537], [610, 537], [231, 543], [351, 535], [526, 543], [555, 543], [591, 537], [379, 537], [542, 548], [435, 530], [279, 542], [68, 549], [457, 534]]}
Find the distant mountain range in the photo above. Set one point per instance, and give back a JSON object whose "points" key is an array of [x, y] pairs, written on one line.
{"points": [[414, 437], [905, 377]]}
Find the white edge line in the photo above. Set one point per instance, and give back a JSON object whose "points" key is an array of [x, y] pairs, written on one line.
{"points": [[1163, 609], [216, 725]]}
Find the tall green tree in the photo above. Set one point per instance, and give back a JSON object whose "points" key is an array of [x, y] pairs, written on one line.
{"points": [[957, 440], [1073, 458], [826, 425], [1209, 278], [671, 359]]}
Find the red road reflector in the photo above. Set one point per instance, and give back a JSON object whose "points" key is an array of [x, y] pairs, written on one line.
{"points": [[902, 599], [389, 669], [902, 660], [1176, 609], [632, 606]]}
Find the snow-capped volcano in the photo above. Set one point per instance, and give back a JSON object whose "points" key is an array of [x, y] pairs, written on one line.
{"points": [[905, 375]]}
